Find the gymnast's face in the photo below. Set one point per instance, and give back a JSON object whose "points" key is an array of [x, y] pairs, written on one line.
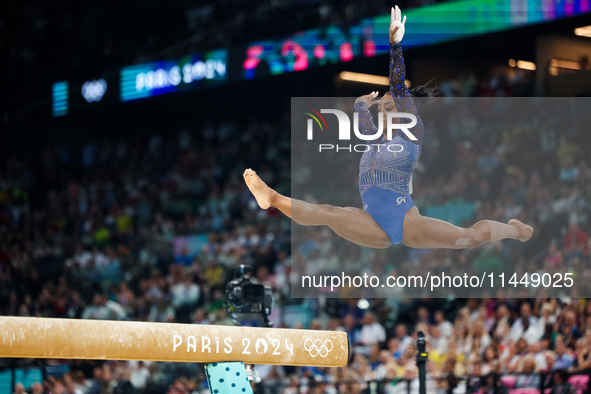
{"points": [[385, 105]]}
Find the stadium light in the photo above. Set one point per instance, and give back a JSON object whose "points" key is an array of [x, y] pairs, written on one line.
{"points": [[557, 64], [363, 304], [525, 65], [583, 31], [368, 78], [364, 78], [565, 64]]}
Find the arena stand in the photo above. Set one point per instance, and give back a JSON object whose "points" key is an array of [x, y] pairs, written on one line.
{"points": [[88, 232]]}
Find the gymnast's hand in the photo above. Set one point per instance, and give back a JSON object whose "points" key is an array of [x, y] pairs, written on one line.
{"points": [[367, 99], [396, 26]]}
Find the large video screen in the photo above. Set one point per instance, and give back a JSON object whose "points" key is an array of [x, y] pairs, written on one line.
{"points": [[426, 25], [166, 76]]}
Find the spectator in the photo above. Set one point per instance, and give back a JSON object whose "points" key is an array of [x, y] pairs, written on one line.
{"points": [[547, 317], [161, 312], [517, 329], [492, 384], [569, 172], [568, 328], [404, 340], [490, 360], [516, 362], [535, 350], [561, 384], [423, 316], [439, 343], [36, 388], [99, 310], [528, 377], [448, 381], [550, 360], [387, 362], [372, 332], [582, 360], [576, 237], [19, 388], [70, 388], [139, 377], [200, 318], [562, 360], [530, 332], [445, 327], [351, 328], [502, 321], [478, 332], [186, 293]]}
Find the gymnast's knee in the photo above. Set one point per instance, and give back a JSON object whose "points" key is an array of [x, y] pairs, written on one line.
{"points": [[475, 239]]}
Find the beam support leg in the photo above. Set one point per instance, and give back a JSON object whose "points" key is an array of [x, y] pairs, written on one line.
{"points": [[227, 378]]}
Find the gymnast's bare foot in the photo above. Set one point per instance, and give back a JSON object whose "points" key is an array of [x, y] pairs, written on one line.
{"points": [[262, 193], [525, 231]]}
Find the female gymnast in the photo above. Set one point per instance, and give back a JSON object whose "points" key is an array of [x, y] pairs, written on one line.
{"points": [[388, 215]]}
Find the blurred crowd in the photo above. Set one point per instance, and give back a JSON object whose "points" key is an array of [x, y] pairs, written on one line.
{"points": [[523, 344], [88, 232], [495, 81]]}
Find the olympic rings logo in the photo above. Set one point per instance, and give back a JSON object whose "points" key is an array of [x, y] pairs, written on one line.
{"points": [[318, 347]]}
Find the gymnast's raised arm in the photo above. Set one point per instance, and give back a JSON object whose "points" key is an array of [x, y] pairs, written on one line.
{"points": [[397, 76]]}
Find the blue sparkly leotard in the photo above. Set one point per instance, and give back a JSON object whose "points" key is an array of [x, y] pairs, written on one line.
{"points": [[385, 172]]}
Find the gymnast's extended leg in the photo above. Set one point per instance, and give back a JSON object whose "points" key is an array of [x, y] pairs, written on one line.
{"points": [[352, 224], [424, 232]]}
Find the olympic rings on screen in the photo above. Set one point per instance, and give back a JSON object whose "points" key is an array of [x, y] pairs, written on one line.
{"points": [[93, 91]]}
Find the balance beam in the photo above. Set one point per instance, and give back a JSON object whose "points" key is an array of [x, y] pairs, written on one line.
{"points": [[30, 337]]}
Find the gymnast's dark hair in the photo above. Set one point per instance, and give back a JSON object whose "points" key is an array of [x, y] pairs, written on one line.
{"points": [[423, 93]]}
